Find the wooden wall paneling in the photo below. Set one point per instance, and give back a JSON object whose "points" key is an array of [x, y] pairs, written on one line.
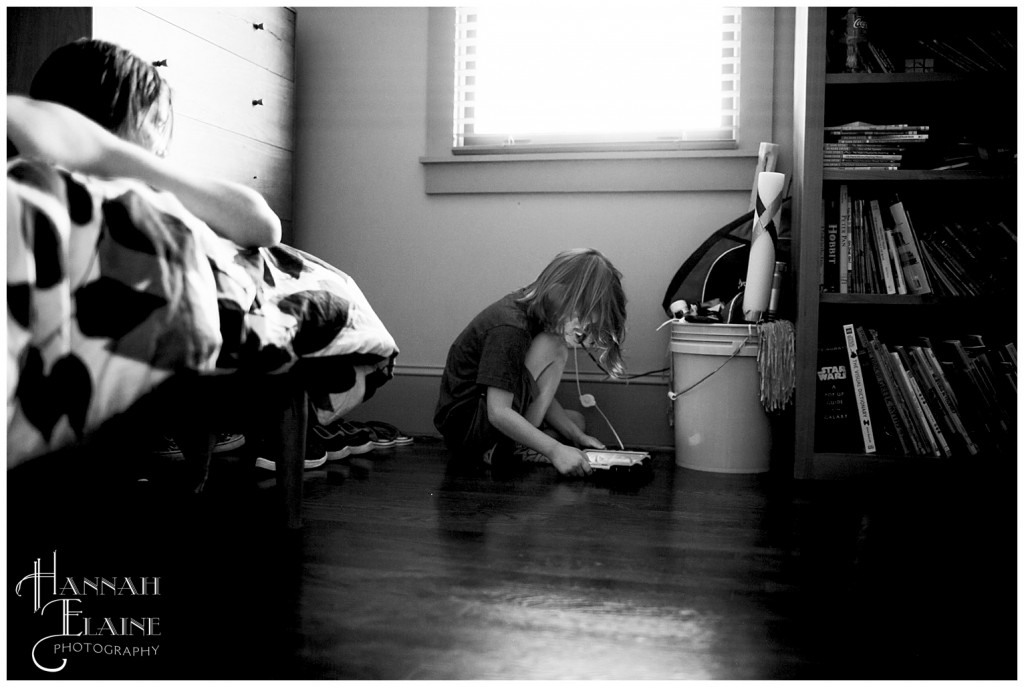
{"points": [[211, 150], [210, 83], [233, 28]]}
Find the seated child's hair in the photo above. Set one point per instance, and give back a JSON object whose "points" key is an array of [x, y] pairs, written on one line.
{"points": [[112, 86], [582, 284]]}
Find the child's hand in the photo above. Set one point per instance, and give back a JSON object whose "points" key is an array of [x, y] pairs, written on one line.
{"points": [[587, 441], [570, 461]]}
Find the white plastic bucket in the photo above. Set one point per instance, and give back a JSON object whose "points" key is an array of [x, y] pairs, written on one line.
{"points": [[720, 425]]}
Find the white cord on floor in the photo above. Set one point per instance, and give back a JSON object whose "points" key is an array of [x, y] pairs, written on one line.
{"points": [[588, 400]]}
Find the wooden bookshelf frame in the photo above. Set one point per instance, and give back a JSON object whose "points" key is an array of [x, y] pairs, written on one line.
{"points": [[808, 139], [810, 180]]}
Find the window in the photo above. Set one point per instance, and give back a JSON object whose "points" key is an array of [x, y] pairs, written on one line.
{"points": [[472, 148], [612, 77]]}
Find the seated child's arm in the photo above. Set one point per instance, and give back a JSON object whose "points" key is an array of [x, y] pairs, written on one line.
{"points": [[566, 459], [57, 134], [557, 418]]}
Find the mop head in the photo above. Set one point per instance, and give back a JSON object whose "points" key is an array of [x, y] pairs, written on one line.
{"points": [[776, 364]]}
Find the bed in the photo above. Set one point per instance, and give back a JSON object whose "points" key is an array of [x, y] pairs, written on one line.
{"points": [[114, 288]]}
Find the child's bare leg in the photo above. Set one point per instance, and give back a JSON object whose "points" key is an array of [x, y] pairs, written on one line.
{"points": [[545, 360], [577, 419]]}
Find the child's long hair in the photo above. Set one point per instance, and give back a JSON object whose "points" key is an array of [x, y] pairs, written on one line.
{"points": [[110, 85], [583, 284]]}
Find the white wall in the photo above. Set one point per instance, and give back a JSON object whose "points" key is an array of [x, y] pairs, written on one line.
{"points": [[429, 263]]}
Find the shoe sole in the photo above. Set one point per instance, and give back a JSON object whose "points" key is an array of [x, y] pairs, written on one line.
{"points": [[365, 448], [230, 445], [338, 455], [265, 464], [397, 441], [393, 435]]}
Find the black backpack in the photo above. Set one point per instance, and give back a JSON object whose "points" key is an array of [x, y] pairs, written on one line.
{"points": [[717, 269]]}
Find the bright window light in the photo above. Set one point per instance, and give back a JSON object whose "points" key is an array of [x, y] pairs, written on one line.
{"points": [[572, 73]]}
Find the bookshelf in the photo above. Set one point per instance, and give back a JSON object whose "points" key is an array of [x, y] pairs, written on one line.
{"points": [[982, 183]]}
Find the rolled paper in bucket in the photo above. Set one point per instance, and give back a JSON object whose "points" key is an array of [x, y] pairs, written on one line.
{"points": [[764, 240]]}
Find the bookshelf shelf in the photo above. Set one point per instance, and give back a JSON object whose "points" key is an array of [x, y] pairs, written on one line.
{"points": [[843, 465], [979, 201], [905, 78], [848, 465], [908, 175], [959, 304]]}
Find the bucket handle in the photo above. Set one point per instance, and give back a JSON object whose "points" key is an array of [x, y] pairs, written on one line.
{"points": [[739, 347]]}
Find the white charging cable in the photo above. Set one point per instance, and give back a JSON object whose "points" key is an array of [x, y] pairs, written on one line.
{"points": [[588, 400]]}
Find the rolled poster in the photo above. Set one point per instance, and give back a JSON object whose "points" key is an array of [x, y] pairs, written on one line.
{"points": [[764, 239]]}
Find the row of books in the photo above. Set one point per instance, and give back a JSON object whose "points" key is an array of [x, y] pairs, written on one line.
{"points": [[868, 44], [962, 54], [972, 257], [955, 399], [859, 145], [971, 51], [872, 246]]}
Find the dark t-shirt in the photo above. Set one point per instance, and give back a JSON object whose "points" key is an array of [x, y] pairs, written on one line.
{"points": [[490, 351]]}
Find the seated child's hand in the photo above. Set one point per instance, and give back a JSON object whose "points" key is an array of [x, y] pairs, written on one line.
{"points": [[570, 461], [587, 441]]}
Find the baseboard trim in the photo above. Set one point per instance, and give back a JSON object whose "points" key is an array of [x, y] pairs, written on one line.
{"points": [[588, 377]]}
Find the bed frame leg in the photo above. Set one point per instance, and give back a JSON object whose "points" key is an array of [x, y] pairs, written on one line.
{"points": [[292, 435]]}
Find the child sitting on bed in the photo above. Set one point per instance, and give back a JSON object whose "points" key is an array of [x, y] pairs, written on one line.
{"points": [[499, 382], [101, 110]]}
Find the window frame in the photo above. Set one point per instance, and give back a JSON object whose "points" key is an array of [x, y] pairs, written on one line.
{"points": [[599, 170]]}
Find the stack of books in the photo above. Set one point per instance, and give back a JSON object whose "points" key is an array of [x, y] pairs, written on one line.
{"points": [[859, 145], [942, 399], [870, 245]]}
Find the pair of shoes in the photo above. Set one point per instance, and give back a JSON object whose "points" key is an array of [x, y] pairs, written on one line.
{"points": [[381, 434], [525, 454], [316, 453], [342, 439], [502, 459], [506, 452], [385, 435], [225, 441]]}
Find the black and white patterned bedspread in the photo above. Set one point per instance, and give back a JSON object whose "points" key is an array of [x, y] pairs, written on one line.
{"points": [[112, 287]]}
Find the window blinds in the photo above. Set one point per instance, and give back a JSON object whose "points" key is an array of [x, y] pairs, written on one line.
{"points": [[535, 79]]}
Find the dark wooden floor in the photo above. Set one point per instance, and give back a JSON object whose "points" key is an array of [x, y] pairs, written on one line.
{"points": [[406, 570]]}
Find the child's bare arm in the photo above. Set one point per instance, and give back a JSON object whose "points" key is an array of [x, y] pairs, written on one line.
{"points": [[57, 134], [566, 459], [557, 418]]}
